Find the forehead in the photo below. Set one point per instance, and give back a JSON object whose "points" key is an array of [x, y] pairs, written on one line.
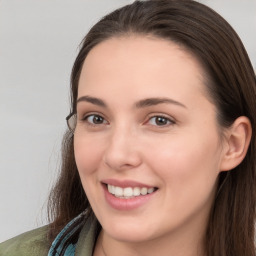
{"points": [[140, 62]]}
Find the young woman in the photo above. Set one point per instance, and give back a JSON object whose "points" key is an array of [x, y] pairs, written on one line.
{"points": [[159, 158]]}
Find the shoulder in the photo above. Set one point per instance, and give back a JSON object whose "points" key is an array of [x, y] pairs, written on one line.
{"points": [[27, 244]]}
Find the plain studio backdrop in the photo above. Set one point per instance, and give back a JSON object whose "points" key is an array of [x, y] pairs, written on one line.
{"points": [[38, 43]]}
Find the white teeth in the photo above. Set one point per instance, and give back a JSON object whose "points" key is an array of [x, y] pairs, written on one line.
{"points": [[111, 189], [144, 191], [119, 191], [136, 191], [150, 190], [129, 192]]}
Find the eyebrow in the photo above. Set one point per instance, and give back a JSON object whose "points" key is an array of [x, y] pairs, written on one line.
{"points": [[155, 101], [93, 100], [140, 104]]}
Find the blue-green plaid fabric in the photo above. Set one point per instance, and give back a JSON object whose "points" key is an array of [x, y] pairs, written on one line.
{"points": [[63, 244]]}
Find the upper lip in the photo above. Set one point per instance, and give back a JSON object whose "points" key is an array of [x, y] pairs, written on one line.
{"points": [[125, 183]]}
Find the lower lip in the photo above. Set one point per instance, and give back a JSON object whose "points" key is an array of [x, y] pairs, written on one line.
{"points": [[123, 204]]}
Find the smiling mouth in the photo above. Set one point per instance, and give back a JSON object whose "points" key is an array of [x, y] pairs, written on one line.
{"points": [[129, 192]]}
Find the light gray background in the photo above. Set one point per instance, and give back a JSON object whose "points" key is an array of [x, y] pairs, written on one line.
{"points": [[38, 43]]}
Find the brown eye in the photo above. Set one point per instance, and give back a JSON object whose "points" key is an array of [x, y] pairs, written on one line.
{"points": [[95, 119], [160, 121]]}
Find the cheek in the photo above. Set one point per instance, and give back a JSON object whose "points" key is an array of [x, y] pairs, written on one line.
{"points": [[188, 175], [88, 155], [88, 159], [187, 163]]}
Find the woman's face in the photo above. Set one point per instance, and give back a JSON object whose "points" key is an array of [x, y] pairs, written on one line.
{"points": [[147, 145]]}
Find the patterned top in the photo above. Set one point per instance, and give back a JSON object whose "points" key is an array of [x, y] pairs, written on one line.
{"points": [[77, 238], [67, 241]]}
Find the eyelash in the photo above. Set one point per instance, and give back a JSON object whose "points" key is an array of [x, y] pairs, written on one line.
{"points": [[85, 119], [168, 120], [165, 118]]}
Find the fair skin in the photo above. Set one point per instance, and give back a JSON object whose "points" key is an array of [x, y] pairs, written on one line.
{"points": [[128, 136]]}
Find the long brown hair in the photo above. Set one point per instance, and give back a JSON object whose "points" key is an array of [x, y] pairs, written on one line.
{"points": [[231, 85]]}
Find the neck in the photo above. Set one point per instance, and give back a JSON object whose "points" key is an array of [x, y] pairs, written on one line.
{"points": [[189, 245]]}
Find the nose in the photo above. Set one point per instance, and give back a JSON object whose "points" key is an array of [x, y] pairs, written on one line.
{"points": [[122, 151]]}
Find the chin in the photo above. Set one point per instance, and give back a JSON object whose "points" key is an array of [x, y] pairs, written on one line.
{"points": [[129, 232]]}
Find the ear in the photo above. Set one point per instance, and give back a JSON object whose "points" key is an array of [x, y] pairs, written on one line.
{"points": [[238, 138]]}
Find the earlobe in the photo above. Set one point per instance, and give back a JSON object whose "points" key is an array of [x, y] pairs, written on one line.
{"points": [[238, 140]]}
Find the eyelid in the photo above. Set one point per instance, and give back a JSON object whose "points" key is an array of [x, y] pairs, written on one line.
{"points": [[83, 115], [93, 115], [84, 118], [167, 117]]}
